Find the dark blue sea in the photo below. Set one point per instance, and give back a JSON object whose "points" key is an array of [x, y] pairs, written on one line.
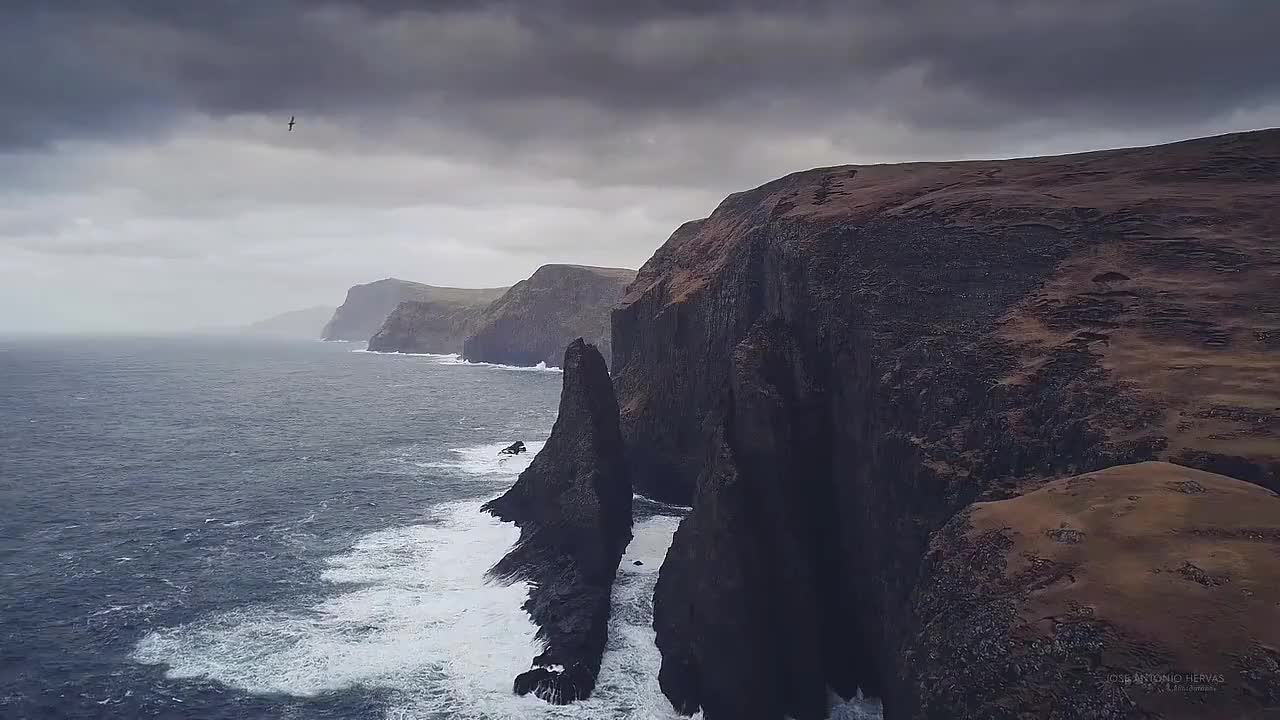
{"points": [[229, 528]]}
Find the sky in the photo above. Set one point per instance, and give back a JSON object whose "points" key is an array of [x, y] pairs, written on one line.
{"points": [[149, 183]]}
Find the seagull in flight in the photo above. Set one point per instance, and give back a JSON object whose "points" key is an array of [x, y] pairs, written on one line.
{"points": [[291, 123]]}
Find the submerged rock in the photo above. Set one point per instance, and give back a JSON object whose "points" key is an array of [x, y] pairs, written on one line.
{"points": [[514, 448], [573, 508]]}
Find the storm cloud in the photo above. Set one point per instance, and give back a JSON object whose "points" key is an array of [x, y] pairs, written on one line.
{"points": [[143, 148]]}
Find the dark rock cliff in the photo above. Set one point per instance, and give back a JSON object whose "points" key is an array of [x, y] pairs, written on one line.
{"points": [[573, 508], [367, 306], [424, 326], [832, 365], [537, 317], [745, 597]]}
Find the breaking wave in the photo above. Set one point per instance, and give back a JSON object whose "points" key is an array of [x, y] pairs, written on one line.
{"points": [[456, 359], [409, 612], [416, 616]]}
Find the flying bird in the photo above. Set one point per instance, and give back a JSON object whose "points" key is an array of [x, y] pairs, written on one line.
{"points": [[291, 123]]}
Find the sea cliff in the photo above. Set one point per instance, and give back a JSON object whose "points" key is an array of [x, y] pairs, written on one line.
{"points": [[833, 366], [367, 306], [534, 320]]}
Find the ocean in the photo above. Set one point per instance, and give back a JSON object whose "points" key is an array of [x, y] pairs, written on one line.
{"points": [[233, 528]]}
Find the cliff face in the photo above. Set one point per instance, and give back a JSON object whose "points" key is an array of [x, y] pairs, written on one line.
{"points": [[573, 508], [367, 306], [418, 326], [537, 317], [745, 597], [832, 365]]}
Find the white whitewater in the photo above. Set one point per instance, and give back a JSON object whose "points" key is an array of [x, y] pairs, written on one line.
{"points": [[412, 613], [456, 359]]}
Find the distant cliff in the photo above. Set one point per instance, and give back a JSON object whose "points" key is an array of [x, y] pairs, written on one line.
{"points": [[833, 366], [426, 326], [368, 306], [302, 324], [534, 320], [573, 507]]}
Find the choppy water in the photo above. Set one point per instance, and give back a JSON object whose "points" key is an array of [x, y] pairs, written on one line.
{"points": [[240, 529]]}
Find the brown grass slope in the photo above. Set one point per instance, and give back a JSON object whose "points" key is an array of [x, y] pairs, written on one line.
{"points": [[1145, 589]]}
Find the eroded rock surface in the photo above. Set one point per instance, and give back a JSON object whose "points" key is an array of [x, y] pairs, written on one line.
{"points": [[533, 321], [746, 598], [573, 508]]}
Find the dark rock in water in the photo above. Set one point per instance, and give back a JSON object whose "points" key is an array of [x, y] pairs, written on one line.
{"points": [[558, 686], [531, 681], [833, 365], [537, 317], [1006, 611], [573, 508], [514, 448]]}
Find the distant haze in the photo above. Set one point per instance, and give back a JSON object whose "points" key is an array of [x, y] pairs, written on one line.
{"points": [[148, 181]]}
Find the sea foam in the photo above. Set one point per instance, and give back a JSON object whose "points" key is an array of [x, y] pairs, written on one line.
{"points": [[456, 359], [485, 461], [411, 612]]}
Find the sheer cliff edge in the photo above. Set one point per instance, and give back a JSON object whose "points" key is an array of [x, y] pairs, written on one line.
{"points": [[833, 366]]}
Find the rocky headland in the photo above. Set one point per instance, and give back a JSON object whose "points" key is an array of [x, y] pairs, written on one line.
{"points": [[534, 320], [368, 306], [306, 323], [833, 366], [427, 326], [573, 508]]}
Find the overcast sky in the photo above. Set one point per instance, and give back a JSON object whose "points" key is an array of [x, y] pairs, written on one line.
{"points": [[148, 181]]}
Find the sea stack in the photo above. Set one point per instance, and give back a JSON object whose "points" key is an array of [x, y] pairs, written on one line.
{"points": [[573, 508]]}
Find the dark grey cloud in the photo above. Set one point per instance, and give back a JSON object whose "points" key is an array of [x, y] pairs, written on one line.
{"points": [[146, 174], [517, 71]]}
